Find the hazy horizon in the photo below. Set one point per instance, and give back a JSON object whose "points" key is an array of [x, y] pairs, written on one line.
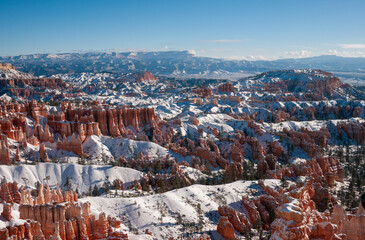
{"points": [[193, 53]]}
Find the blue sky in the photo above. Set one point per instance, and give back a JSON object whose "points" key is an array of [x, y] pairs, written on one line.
{"points": [[244, 29]]}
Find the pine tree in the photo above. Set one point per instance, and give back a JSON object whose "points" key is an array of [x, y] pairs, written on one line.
{"points": [[90, 193], [284, 183], [106, 188], [67, 184], [96, 191]]}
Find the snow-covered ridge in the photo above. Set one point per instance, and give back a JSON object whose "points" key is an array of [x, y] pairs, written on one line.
{"points": [[81, 176]]}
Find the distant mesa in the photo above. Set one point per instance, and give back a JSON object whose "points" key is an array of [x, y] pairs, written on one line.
{"points": [[6, 66]]}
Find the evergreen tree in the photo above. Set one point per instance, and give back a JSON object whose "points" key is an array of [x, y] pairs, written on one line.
{"points": [[96, 191], [90, 193], [67, 184], [284, 183]]}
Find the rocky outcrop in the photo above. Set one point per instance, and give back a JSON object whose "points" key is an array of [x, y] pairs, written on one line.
{"points": [[6, 66], [9, 192], [353, 130], [280, 116], [226, 88], [43, 135], [226, 229], [349, 224], [234, 171], [144, 76], [98, 120], [315, 84], [53, 215], [194, 121], [253, 213], [6, 211], [73, 145], [17, 157], [11, 131], [4, 153], [307, 140], [204, 92], [68, 221], [43, 156], [296, 217], [237, 219]]}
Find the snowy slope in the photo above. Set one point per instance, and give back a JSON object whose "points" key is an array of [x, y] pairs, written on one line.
{"points": [[81, 176], [106, 146], [145, 212]]}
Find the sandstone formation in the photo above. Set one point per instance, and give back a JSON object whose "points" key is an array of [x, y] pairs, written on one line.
{"points": [[43, 156], [349, 224], [353, 130], [53, 215], [4, 153], [204, 92], [17, 157], [144, 76], [73, 145], [225, 228], [238, 220], [6, 211], [226, 87], [296, 216], [9, 192], [6, 66]]}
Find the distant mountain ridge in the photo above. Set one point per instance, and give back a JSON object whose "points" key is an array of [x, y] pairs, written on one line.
{"points": [[168, 63]]}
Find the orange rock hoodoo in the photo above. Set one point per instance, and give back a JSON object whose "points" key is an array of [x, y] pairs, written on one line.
{"points": [[226, 229], [77, 123], [4, 152], [226, 87], [100, 120], [53, 215], [295, 216], [42, 153]]}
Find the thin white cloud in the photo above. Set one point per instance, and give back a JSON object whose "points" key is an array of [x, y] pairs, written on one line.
{"points": [[298, 54], [352, 46], [344, 53], [249, 58], [225, 41]]}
